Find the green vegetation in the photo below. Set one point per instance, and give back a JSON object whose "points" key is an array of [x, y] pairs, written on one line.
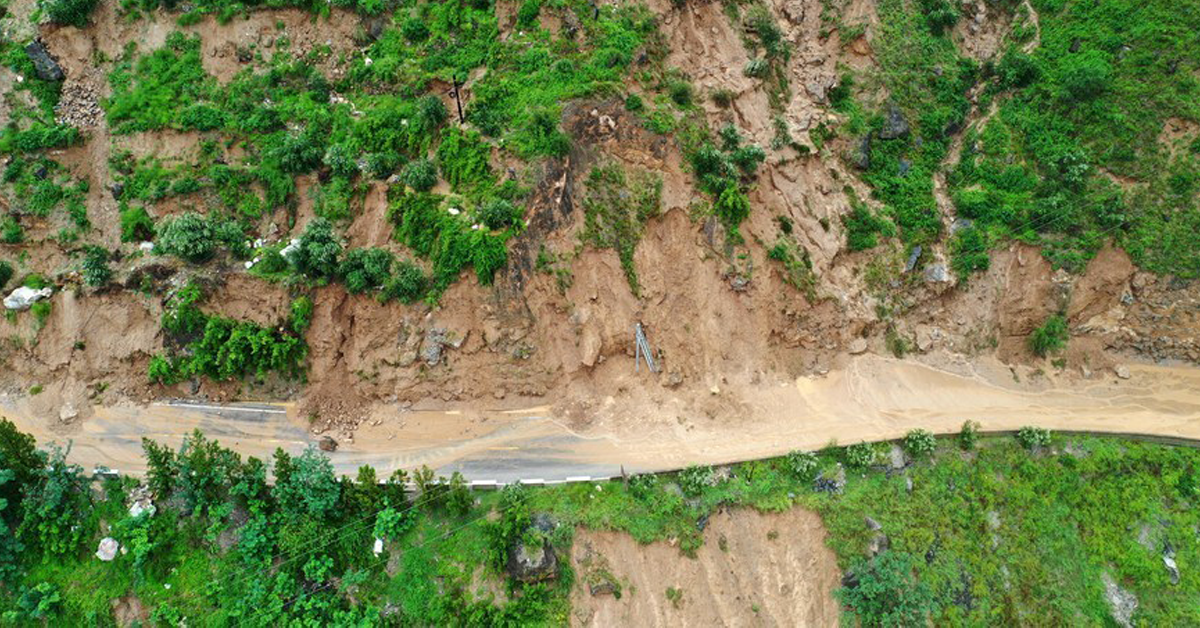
{"points": [[1051, 337], [1086, 107], [616, 208], [1005, 533], [95, 268], [724, 173], [221, 349]]}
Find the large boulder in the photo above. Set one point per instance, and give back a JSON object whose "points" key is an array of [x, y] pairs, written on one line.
{"points": [[44, 65], [108, 549], [22, 298], [534, 561]]}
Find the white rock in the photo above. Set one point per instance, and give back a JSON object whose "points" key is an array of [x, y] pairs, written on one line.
{"points": [[378, 546], [22, 298], [858, 345], [108, 549], [292, 246], [1123, 372], [67, 412], [454, 211], [249, 264], [146, 247]]}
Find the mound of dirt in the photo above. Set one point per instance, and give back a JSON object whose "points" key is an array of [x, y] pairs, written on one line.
{"points": [[754, 569]]}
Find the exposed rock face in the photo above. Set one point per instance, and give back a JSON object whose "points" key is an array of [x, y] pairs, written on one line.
{"points": [[44, 65], [536, 562]]}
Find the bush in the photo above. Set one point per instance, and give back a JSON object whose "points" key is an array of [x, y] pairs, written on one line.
{"points": [[920, 443], [969, 435], [408, 284], [862, 227], [136, 224], [1050, 337], [95, 266], [886, 591], [366, 269], [859, 455], [11, 231], [1085, 75], [527, 15], [497, 214], [420, 175], [1033, 437], [6, 273], [188, 236], [802, 465], [317, 251], [695, 478], [69, 12]]}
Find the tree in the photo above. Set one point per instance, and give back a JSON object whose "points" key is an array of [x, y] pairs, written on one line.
{"points": [[6, 273], [1031, 437], [317, 252], [969, 435], [55, 506], [420, 175], [308, 486], [1085, 75], [160, 462], [20, 457], [458, 495], [203, 471], [885, 591], [69, 12]]}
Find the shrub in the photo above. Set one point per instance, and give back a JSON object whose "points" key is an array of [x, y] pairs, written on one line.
{"points": [[862, 227], [1085, 75], [695, 478], [634, 103], [859, 455], [1050, 337], [527, 15], [420, 175], [887, 591], [6, 273], [920, 443], [69, 12], [366, 269], [969, 435], [317, 252], [408, 284], [188, 236], [136, 224], [302, 312], [463, 159], [1033, 437], [11, 231], [497, 214], [680, 92], [802, 464], [95, 266]]}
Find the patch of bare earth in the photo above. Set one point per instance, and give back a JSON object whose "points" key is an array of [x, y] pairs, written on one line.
{"points": [[753, 570]]}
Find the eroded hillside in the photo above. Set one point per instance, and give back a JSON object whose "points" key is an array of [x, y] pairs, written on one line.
{"points": [[462, 202]]}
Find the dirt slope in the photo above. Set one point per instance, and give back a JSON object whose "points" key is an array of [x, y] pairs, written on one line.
{"points": [[753, 570]]}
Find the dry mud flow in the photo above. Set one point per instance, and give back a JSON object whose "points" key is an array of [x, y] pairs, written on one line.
{"points": [[753, 570]]}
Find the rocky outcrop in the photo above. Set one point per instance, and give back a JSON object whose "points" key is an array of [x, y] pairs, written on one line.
{"points": [[44, 65], [22, 298], [534, 561]]}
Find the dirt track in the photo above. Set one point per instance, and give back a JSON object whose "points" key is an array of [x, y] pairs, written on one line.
{"points": [[870, 398]]}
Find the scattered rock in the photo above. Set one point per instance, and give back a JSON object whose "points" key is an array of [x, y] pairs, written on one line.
{"points": [[117, 189], [22, 298], [959, 224], [937, 273], [1123, 603], [879, 544], [327, 443], [908, 484], [67, 412], [1168, 558], [857, 346], [897, 459], [873, 525], [44, 65], [904, 167], [913, 257], [108, 549], [861, 155], [378, 548], [894, 124], [831, 482], [1122, 371], [140, 501]]}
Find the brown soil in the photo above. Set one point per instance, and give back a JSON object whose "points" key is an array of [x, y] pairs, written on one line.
{"points": [[753, 570], [719, 318]]}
